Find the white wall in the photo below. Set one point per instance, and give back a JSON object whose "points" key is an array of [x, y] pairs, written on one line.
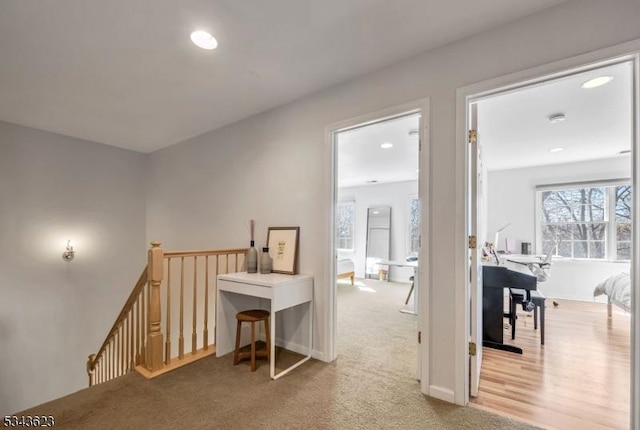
{"points": [[396, 195], [511, 199], [55, 313], [275, 167]]}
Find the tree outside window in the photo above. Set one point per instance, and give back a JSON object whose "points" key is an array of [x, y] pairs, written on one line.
{"points": [[345, 222], [587, 222], [414, 226], [623, 222]]}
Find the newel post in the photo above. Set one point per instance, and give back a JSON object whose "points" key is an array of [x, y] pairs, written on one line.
{"points": [[90, 370], [154, 335]]}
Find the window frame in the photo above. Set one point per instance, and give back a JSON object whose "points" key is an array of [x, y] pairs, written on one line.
{"points": [[340, 204], [609, 216], [408, 241]]}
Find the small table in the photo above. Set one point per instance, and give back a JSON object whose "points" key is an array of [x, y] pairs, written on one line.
{"points": [[414, 264], [273, 292]]}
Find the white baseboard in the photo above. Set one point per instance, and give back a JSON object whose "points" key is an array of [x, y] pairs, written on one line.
{"points": [[442, 393]]}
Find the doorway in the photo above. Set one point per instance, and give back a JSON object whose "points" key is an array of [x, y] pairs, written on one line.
{"points": [[379, 200], [571, 206]]}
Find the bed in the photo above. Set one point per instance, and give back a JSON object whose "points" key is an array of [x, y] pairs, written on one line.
{"points": [[617, 288], [345, 269]]}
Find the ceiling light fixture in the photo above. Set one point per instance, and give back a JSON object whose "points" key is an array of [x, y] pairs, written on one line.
{"points": [[596, 82], [556, 149], [557, 118], [386, 145], [414, 132], [625, 151], [204, 40]]}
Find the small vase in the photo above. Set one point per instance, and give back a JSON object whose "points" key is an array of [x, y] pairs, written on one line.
{"points": [[252, 259], [265, 261]]}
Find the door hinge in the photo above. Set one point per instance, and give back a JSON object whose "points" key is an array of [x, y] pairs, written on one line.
{"points": [[472, 349], [473, 136], [419, 337], [473, 242]]}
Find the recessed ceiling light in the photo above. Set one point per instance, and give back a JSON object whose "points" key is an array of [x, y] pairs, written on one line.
{"points": [[597, 82], [204, 40], [372, 181], [414, 132], [386, 145], [556, 149], [556, 118]]}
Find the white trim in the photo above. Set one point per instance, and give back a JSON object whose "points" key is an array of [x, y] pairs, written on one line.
{"points": [[442, 393], [635, 251], [628, 51], [330, 298]]}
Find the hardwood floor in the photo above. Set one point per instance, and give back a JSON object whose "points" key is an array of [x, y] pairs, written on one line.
{"points": [[580, 378]]}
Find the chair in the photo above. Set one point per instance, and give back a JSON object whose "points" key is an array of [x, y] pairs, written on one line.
{"points": [[252, 316], [519, 296]]}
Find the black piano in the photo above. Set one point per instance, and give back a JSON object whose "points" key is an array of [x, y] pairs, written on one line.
{"points": [[494, 280]]}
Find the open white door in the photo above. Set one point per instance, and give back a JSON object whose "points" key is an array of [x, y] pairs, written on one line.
{"points": [[475, 248]]}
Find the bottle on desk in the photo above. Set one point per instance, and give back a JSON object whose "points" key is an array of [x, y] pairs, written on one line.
{"points": [[266, 263], [252, 259]]}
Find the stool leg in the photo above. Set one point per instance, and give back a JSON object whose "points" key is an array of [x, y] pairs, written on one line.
{"points": [[267, 330], [535, 317], [253, 346], [513, 318], [542, 306], [236, 353]]}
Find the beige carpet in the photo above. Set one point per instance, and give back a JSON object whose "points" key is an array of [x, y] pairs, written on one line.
{"points": [[370, 386]]}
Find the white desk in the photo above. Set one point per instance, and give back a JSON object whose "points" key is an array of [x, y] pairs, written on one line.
{"points": [[414, 264], [523, 258], [273, 292]]}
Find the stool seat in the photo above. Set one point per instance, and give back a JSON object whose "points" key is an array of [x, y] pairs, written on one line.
{"points": [[518, 296], [252, 317]]}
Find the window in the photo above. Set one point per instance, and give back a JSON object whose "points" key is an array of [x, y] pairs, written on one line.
{"points": [[345, 221], [591, 222], [414, 226], [623, 222]]}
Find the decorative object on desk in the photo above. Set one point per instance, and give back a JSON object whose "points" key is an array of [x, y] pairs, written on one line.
{"points": [[283, 248], [265, 261], [525, 248], [252, 253]]}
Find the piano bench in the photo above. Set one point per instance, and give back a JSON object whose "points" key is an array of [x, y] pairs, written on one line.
{"points": [[517, 296]]}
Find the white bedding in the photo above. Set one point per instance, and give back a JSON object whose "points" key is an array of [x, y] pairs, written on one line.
{"points": [[345, 266], [617, 288]]}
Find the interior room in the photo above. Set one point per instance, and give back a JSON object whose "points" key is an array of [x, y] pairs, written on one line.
{"points": [[378, 226], [135, 136], [557, 186]]}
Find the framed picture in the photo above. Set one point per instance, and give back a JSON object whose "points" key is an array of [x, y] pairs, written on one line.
{"points": [[283, 249]]}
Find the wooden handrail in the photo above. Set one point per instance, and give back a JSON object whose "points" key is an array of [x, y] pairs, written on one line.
{"points": [[142, 281], [136, 339], [174, 254]]}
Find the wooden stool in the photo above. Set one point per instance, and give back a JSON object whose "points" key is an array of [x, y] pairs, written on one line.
{"points": [[252, 316]]}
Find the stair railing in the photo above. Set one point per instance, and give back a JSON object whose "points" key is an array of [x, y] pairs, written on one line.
{"points": [[136, 340]]}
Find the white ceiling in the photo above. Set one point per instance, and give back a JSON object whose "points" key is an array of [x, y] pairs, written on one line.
{"points": [[514, 129], [361, 160], [125, 73]]}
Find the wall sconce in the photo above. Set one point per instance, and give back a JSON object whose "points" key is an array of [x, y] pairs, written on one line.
{"points": [[68, 253]]}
